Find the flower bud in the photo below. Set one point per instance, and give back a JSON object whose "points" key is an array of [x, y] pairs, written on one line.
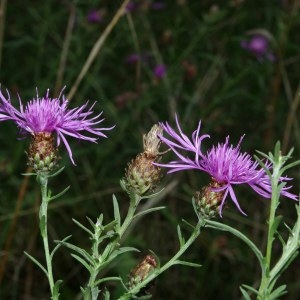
{"points": [[141, 174], [141, 272], [152, 141], [208, 201], [42, 155]]}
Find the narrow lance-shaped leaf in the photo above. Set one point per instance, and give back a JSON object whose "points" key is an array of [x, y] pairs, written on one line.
{"points": [[117, 216], [83, 227], [58, 246], [150, 210], [59, 194], [37, 263], [180, 237], [83, 262]]}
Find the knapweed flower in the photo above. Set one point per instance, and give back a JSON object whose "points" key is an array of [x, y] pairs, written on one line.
{"points": [[46, 116], [159, 71], [158, 5], [131, 6], [226, 165], [259, 45], [133, 58], [96, 16]]}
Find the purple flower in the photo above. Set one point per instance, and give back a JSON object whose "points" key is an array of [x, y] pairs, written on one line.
{"points": [[160, 71], [158, 5], [133, 58], [182, 142], [95, 16], [51, 115], [259, 46], [226, 164], [131, 6]]}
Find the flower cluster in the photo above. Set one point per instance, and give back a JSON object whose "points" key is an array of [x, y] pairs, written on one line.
{"points": [[45, 116], [225, 163]]}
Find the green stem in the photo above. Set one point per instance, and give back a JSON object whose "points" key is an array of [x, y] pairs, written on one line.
{"points": [[201, 223], [290, 250], [265, 280], [43, 179], [270, 238], [134, 201]]}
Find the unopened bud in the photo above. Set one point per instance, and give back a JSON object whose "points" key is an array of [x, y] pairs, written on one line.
{"points": [[42, 155], [141, 272], [208, 200], [141, 174], [152, 141]]}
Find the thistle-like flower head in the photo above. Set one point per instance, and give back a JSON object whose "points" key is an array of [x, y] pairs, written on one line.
{"points": [[178, 142], [226, 165], [52, 116]]}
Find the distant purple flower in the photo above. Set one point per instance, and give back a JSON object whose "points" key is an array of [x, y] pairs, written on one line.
{"points": [[51, 115], [95, 16], [158, 5], [133, 58], [160, 71], [259, 46], [131, 6], [225, 164]]}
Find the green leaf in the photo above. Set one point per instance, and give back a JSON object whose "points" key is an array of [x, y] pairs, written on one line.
{"points": [[275, 224], [110, 225], [180, 237], [95, 292], [250, 288], [280, 238], [147, 211], [83, 262], [189, 226], [245, 294], [56, 173], [59, 245], [55, 291], [83, 227], [280, 291], [124, 250], [187, 263], [107, 279], [43, 226], [152, 195], [106, 295], [37, 263], [29, 174], [80, 251], [59, 194], [117, 216], [117, 252], [237, 233], [261, 162], [295, 163], [123, 185], [277, 150]]}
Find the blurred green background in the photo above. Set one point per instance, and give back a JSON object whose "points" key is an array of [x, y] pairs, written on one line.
{"points": [[206, 72]]}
